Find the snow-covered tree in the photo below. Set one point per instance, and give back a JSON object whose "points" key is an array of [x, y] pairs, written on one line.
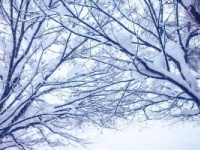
{"points": [[40, 74], [68, 62], [147, 57]]}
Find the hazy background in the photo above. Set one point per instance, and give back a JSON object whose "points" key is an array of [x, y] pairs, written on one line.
{"points": [[157, 136]]}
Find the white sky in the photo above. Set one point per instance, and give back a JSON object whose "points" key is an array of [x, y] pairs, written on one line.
{"points": [[157, 136]]}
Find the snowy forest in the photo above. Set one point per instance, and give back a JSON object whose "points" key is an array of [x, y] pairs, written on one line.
{"points": [[69, 63]]}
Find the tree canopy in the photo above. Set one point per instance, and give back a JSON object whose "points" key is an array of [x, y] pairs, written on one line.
{"points": [[64, 63]]}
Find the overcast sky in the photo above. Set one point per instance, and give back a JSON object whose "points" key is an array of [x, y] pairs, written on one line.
{"points": [[157, 136]]}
